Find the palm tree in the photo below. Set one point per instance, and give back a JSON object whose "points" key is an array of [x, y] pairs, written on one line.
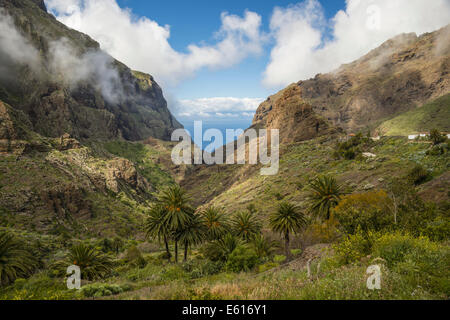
{"points": [[286, 220], [192, 233], [15, 260], [175, 202], [216, 223], [93, 264], [219, 250], [264, 248], [325, 194], [246, 225], [156, 226]]}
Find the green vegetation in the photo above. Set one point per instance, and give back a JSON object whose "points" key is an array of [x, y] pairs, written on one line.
{"points": [[15, 260], [93, 264], [324, 195], [286, 220], [145, 158], [431, 115], [232, 245]]}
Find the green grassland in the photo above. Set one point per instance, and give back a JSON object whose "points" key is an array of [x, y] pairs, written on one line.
{"points": [[413, 266], [430, 116]]}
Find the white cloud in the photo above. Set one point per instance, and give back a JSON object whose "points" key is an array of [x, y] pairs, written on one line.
{"points": [[94, 65], [14, 48], [222, 107], [301, 52], [144, 45]]}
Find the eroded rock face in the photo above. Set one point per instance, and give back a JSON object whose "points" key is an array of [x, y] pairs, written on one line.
{"points": [[122, 170], [295, 118], [133, 108], [66, 142], [11, 136], [404, 73]]}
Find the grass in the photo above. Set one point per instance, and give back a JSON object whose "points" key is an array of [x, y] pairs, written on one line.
{"points": [[300, 163], [432, 115]]}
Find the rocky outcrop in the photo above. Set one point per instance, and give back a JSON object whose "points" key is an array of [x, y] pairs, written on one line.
{"points": [[123, 171], [11, 135], [108, 103], [295, 118], [66, 142], [402, 74]]}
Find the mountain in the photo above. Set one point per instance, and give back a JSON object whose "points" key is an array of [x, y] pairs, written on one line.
{"points": [[402, 74], [67, 84], [432, 115], [70, 119], [396, 89]]}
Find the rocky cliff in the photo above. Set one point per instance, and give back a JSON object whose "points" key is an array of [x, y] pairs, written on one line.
{"points": [[402, 74], [65, 83]]}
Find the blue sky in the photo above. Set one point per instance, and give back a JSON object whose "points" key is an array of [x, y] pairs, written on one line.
{"points": [[218, 60], [196, 21]]}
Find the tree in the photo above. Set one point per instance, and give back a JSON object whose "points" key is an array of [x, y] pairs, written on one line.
{"points": [[263, 247], [325, 194], [176, 204], [437, 137], [192, 233], [219, 250], [216, 223], [156, 226], [365, 211], [246, 225], [93, 263], [15, 260], [286, 220]]}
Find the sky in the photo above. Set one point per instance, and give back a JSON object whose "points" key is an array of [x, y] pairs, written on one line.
{"points": [[218, 60]]}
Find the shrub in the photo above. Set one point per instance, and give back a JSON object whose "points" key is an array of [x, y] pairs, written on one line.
{"points": [[279, 258], [241, 259], [264, 247], [219, 250], [15, 260], [267, 266], [135, 258], [437, 137], [103, 289], [418, 175], [323, 232], [421, 262], [202, 268], [368, 211], [93, 264], [354, 247], [438, 229], [438, 150], [351, 148]]}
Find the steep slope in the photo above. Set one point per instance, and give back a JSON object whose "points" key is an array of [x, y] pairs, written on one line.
{"points": [[433, 115], [70, 119], [66, 84], [402, 74]]}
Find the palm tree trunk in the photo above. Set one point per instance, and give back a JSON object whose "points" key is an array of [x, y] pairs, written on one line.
{"points": [[167, 248], [286, 246], [186, 245], [176, 251]]}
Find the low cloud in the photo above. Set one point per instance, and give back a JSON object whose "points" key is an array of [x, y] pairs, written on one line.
{"points": [[143, 44], [14, 48], [94, 66], [302, 49], [219, 107]]}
